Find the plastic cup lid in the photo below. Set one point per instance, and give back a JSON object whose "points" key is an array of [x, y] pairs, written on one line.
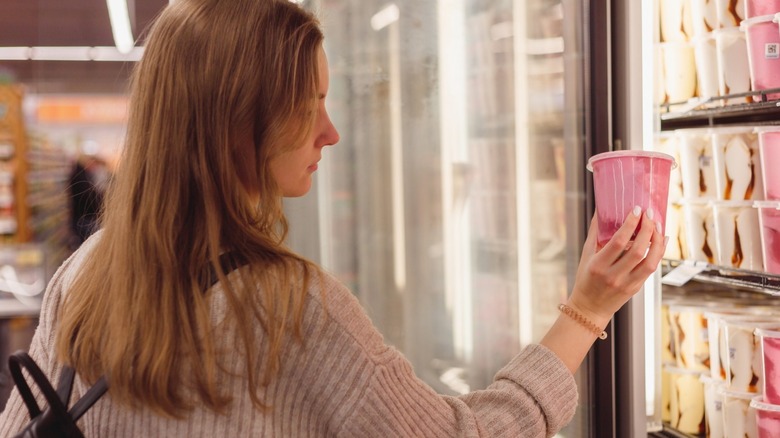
{"points": [[755, 20], [736, 394], [630, 153], [768, 333], [759, 403], [731, 204], [706, 378], [762, 129], [697, 202], [767, 204], [726, 130], [723, 30]]}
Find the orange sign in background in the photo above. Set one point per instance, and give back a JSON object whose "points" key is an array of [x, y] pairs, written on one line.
{"points": [[87, 109]]}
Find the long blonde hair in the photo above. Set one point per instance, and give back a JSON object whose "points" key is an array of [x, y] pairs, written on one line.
{"points": [[214, 72]]}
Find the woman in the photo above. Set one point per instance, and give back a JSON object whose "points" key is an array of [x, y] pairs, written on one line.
{"points": [[228, 117]]}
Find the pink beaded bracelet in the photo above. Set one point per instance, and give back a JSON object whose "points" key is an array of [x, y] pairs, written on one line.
{"points": [[573, 314]]}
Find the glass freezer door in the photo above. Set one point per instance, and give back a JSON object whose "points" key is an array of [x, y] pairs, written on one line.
{"points": [[453, 206]]}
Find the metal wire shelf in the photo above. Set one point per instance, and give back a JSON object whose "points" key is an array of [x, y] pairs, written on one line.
{"points": [[738, 278], [713, 111]]}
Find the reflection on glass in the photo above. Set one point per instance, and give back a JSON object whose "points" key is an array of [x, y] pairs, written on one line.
{"points": [[444, 207]]}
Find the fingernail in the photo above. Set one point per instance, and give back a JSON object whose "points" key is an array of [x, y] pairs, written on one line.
{"points": [[658, 226], [637, 211], [650, 213], [666, 240]]}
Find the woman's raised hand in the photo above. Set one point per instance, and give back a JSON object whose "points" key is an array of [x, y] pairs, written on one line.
{"points": [[608, 277]]}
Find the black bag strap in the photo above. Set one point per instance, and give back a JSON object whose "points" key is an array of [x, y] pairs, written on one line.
{"points": [[20, 360], [65, 385], [90, 398]]}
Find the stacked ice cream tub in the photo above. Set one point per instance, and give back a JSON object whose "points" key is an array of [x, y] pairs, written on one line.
{"points": [[720, 375], [724, 197], [712, 48]]}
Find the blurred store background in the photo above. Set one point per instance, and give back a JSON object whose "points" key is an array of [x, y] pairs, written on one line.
{"points": [[63, 83]]}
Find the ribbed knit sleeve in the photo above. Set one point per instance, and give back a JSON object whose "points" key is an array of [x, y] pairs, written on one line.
{"points": [[533, 396]]}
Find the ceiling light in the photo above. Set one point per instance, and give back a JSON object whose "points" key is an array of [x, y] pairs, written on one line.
{"points": [[59, 53], [120, 25], [15, 53], [112, 54], [69, 53]]}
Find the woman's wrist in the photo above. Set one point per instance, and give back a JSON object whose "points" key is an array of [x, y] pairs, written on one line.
{"points": [[595, 318]]}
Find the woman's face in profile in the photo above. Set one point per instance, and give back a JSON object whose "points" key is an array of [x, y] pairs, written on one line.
{"points": [[293, 170]]}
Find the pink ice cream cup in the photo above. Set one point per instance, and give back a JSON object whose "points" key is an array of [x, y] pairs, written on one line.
{"points": [[770, 352], [757, 8], [769, 223], [767, 418], [625, 179], [763, 43], [769, 152]]}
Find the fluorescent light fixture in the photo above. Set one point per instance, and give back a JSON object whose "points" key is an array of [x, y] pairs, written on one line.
{"points": [[72, 53], [113, 54], [15, 53], [69, 53], [387, 16], [120, 25]]}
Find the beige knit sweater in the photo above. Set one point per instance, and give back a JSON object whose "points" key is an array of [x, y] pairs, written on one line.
{"points": [[342, 381]]}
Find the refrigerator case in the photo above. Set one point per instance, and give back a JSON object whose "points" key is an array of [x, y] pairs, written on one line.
{"points": [[454, 205], [663, 99]]}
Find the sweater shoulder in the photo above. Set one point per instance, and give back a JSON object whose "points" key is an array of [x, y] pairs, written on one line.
{"points": [[339, 306]]}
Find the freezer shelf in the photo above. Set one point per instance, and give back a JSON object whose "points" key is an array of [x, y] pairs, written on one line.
{"points": [[709, 112], [730, 277]]}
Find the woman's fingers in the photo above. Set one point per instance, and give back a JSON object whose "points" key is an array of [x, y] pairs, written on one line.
{"points": [[653, 257], [636, 252], [590, 241], [593, 231], [614, 249]]}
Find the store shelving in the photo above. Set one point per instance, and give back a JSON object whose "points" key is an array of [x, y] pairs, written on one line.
{"points": [[732, 278], [47, 199], [710, 112], [33, 204], [13, 166]]}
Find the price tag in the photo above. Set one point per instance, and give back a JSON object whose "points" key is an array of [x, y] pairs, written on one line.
{"points": [[772, 51], [683, 273]]}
